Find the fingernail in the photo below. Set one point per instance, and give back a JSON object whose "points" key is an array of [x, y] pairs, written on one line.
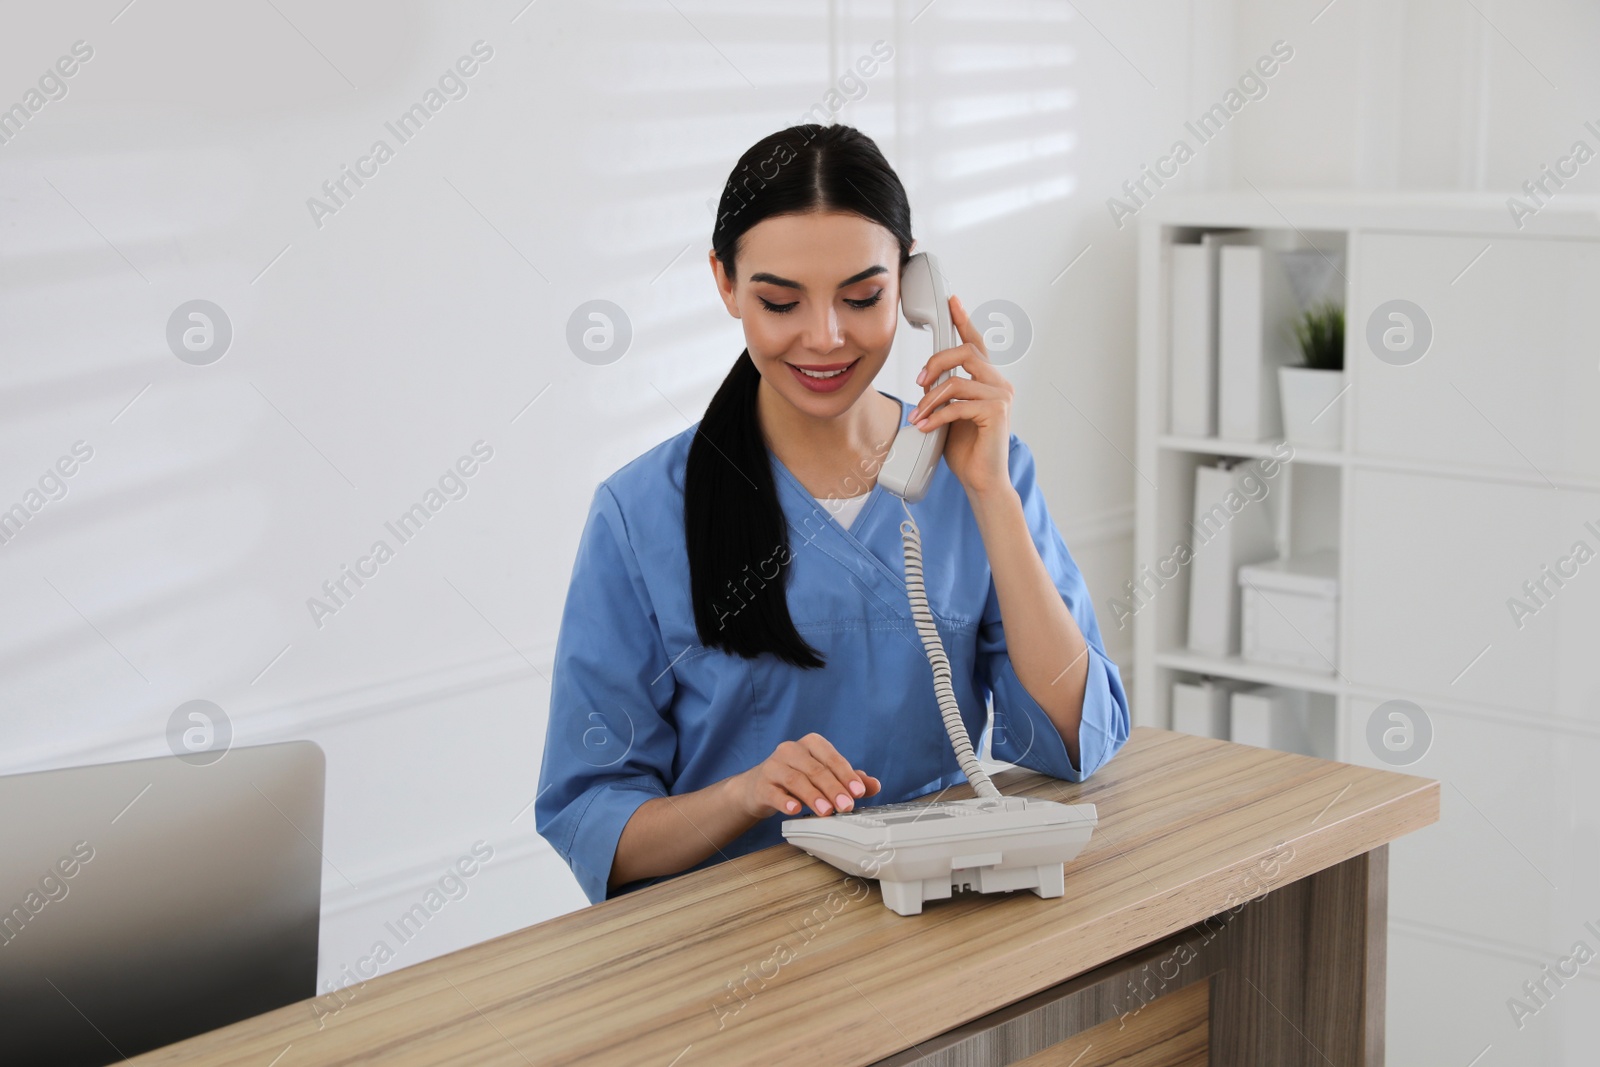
{"points": [[922, 375], [844, 802], [793, 805], [856, 787], [822, 806]]}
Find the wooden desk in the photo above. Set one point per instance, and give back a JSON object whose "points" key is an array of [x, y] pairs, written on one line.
{"points": [[777, 958]]}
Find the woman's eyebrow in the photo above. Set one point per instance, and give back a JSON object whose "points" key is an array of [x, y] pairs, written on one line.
{"points": [[773, 279]]}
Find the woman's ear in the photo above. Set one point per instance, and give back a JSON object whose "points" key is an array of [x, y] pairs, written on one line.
{"points": [[724, 284]]}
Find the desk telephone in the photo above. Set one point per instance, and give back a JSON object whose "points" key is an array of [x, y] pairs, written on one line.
{"points": [[925, 851]]}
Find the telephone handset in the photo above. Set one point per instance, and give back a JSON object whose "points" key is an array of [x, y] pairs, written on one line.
{"points": [[906, 473], [915, 455], [992, 843]]}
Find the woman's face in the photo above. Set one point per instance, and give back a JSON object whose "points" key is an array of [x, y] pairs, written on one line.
{"points": [[817, 293]]}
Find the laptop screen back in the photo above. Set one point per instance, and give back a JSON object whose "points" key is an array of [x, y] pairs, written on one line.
{"points": [[146, 901]]}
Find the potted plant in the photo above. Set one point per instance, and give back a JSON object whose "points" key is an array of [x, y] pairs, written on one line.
{"points": [[1307, 392]]}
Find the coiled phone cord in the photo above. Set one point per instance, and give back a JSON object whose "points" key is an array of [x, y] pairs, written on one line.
{"points": [[949, 709]]}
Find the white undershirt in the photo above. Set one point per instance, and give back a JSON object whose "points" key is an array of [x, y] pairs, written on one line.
{"points": [[844, 509]]}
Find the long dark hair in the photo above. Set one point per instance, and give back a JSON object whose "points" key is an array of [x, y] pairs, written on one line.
{"points": [[737, 539]]}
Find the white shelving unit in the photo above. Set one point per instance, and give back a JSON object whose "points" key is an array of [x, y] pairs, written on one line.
{"points": [[1463, 476]]}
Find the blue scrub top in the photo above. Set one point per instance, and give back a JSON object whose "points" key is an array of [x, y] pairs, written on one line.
{"points": [[640, 709]]}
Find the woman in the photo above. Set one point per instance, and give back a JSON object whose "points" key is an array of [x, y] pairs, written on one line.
{"points": [[736, 646]]}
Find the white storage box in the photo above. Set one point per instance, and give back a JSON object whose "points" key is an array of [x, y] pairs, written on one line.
{"points": [[1289, 720], [1201, 708], [1289, 611]]}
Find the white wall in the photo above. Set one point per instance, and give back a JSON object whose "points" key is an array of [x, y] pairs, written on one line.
{"points": [[1417, 94]]}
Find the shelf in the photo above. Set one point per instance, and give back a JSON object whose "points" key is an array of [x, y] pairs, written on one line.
{"points": [[1478, 460], [1254, 449], [1420, 211], [1234, 667], [1216, 446]]}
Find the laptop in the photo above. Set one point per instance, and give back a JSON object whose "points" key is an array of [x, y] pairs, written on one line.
{"points": [[146, 901]]}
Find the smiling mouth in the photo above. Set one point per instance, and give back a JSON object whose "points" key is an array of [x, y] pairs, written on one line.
{"points": [[825, 371]]}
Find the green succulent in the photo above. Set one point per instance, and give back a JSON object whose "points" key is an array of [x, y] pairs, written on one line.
{"points": [[1320, 333]]}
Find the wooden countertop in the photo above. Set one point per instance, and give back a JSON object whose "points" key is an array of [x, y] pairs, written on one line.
{"points": [[825, 974]]}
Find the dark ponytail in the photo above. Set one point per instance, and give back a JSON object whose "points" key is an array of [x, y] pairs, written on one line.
{"points": [[737, 538]]}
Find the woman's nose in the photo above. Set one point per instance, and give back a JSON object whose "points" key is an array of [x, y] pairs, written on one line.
{"points": [[822, 334]]}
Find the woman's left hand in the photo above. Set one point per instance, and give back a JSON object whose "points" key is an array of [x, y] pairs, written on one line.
{"points": [[978, 444]]}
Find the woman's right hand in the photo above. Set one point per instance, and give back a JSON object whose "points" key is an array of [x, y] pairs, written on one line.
{"points": [[800, 774]]}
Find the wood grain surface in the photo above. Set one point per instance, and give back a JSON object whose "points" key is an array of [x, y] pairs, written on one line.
{"points": [[776, 958], [1172, 1032]]}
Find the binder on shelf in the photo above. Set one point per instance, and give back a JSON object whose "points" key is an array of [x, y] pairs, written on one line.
{"points": [[1192, 369], [1229, 530], [1203, 708], [1256, 306]]}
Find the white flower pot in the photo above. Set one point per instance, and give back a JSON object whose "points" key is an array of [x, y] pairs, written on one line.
{"points": [[1311, 419]]}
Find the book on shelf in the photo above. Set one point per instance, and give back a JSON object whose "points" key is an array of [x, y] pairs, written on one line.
{"points": [[1192, 344], [1232, 526], [1192, 366]]}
